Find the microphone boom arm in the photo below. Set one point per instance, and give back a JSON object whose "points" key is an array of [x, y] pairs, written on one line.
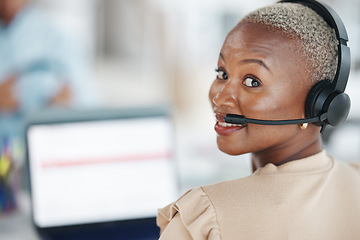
{"points": [[241, 119]]}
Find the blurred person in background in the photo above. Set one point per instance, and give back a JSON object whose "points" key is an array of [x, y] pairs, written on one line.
{"points": [[40, 67]]}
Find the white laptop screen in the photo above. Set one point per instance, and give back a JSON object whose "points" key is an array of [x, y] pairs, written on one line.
{"points": [[99, 171]]}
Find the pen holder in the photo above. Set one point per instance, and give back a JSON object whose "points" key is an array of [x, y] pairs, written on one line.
{"points": [[7, 197], [7, 183]]}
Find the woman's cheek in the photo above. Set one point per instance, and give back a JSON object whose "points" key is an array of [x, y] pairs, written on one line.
{"points": [[257, 106]]}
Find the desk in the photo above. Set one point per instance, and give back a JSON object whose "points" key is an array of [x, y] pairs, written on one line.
{"points": [[18, 225]]}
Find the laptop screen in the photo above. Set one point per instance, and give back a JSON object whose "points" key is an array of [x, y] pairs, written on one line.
{"points": [[99, 171]]}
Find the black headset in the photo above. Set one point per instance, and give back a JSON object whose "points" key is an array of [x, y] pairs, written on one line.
{"points": [[326, 98], [326, 103]]}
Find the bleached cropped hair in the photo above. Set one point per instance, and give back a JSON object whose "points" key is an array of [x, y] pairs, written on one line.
{"points": [[317, 37]]}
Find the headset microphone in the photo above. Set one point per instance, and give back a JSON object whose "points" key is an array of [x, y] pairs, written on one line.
{"points": [[241, 119]]}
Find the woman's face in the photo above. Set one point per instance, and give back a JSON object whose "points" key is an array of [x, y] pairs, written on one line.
{"points": [[260, 75]]}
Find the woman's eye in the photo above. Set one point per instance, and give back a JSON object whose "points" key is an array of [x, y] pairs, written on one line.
{"points": [[251, 82], [221, 74]]}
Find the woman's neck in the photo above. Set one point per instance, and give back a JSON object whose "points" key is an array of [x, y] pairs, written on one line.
{"points": [[278, 156]]}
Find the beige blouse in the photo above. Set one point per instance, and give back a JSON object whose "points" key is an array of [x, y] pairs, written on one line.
{"points": [[311, 198]]}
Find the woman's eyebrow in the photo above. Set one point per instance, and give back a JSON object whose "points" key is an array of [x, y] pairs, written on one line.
{"points": [[250, 60], [257, 61]]}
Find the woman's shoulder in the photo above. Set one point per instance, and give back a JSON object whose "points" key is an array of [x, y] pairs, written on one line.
{"points": [[355, 165], [353, 171], [348, 167], [196, 213]]}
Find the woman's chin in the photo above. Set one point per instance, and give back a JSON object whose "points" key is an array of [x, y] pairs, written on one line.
{"points": [[229, 148]]}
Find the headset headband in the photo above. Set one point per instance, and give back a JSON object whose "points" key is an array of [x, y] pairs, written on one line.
{"points": [[334, 21]]}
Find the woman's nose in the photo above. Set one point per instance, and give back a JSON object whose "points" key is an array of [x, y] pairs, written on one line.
{"points": [[225, 96]]}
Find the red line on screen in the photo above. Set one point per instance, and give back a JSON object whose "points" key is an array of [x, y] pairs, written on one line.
{"points": [[88, 161]]}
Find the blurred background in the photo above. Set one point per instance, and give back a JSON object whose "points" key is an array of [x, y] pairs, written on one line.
{"points": [[138, 53]]}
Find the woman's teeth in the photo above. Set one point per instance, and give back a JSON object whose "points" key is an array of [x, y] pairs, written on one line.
{"points": [[224, 124]]}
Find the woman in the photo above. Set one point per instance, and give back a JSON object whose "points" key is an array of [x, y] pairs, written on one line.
{"points": [[266, 67]]}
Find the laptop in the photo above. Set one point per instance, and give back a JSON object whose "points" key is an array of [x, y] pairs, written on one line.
{"points": [[100, 174]]}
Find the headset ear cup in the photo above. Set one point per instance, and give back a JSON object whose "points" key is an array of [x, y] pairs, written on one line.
{"points": [[323, 99], [338, 109], [313, 96]]}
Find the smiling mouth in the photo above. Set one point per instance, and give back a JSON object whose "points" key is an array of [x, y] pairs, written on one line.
{"points": [[225, 129], [220, 119]]}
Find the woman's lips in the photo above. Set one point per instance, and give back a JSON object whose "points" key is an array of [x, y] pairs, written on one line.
{"points": [[223, 128]]}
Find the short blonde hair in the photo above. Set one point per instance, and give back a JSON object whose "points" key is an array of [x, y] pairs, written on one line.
{"points": [[318, 39]]}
